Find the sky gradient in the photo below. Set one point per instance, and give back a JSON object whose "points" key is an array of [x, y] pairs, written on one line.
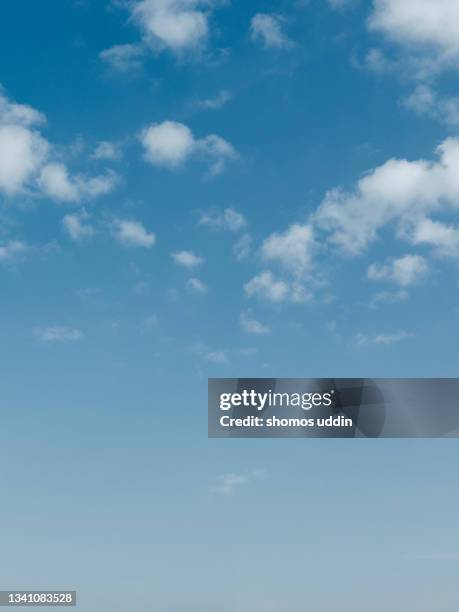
{"points": [[194, 189]]}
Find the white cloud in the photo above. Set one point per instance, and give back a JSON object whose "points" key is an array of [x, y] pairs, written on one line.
{"points": [[12, 113], [227, 484], [267, 30], [171, 144], [383, 339], [123, 58], [187, 259], [11, 250], [167, 144], [442, 237], [26, 165], [395, 192], [58, 334], [405, 271], [76, 227], [242, 248], [197, 286], [388, 339], [22, 152], [425, 101], [265, 285], [132, 233], [106, 150], [292, 249], [179, 25], [426, 35], [56, 182], [218, 101], [229, 219], [251, 325], [423, 25]]}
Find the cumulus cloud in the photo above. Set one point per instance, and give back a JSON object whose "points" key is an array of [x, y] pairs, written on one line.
{"points": [[22, 153], [251, 325], [26, 163], [424, 100], [230, 219], [170, 144], [292, 249], [179, 26], [56, 182], [77, 228], [422, 25], [397, 192], [266, 286], [58, 334], [426, 36], [132, 233], [442, 237], [187, 259], [405, 271], [267, 30]]}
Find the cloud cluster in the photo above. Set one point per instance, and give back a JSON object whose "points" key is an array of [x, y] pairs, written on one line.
{"points": [[399, 192], [27, 164], [407, 197], [405, 271], [179, 26], [170, 144], [426, 35]]}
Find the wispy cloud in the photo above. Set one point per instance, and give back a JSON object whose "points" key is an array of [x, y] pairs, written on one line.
{"points": [[58, 334], [228, 484]]}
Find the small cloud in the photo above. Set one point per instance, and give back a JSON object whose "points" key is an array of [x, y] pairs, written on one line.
{"points": [[76, 227], [123, 58], [170, 144], [58, 334], [218, 101], [230, 219], [197, 286], [187, 259], [228, 484], [242, 248], [265, 285], [382, 339], [251, 325], [132, 233], [267, 29], [388, 297], [12, 250], [405, 271], [106, 150]]}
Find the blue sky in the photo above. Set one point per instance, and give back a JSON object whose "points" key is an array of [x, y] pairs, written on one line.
{"points": [[193, 189]]}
